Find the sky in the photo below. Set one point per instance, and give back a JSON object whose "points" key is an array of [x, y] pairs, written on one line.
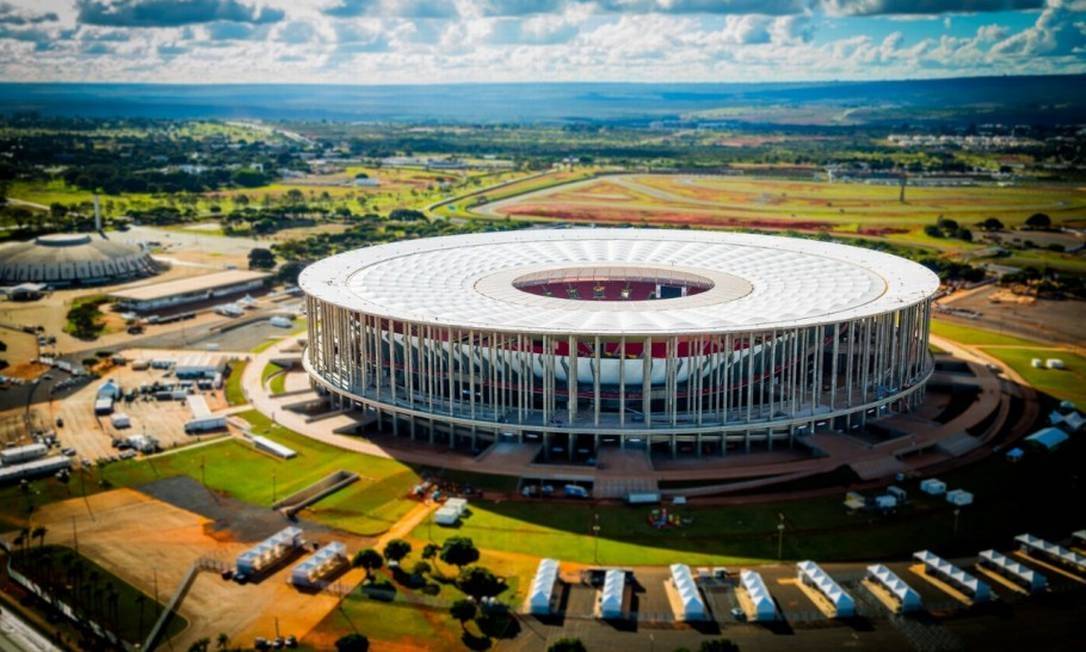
{"points": [[444, 41]]}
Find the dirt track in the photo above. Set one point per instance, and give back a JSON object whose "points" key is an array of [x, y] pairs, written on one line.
{"points": [[151, 545]]}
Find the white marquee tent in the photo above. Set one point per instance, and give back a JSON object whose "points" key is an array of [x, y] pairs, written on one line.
{"points": [[614, 589], [907, 598], [936, 565], [764, 609], [692, 604], [812, 574], [539, 597], [1058, 554], [1006, 566]]}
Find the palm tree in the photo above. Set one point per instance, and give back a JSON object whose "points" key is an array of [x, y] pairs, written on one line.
{"points": [[222, 641], [140, 600], [39, 533]]}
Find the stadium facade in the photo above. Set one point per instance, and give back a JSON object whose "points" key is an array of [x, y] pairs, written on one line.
{"points": [[709, 342]]}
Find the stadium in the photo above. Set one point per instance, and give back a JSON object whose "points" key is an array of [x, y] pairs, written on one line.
{"points": [[672, 340]]}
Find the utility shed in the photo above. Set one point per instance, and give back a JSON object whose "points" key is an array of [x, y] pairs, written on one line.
{"points": [[273, 447], [693, 606], [542, 589], [1050, 438], [202, 418], [812, 574], [907, 598], [613, 594], [761, 600]]}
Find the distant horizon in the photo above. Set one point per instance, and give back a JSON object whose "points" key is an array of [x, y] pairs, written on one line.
{"points": [[858, 80], [1041, 99]]}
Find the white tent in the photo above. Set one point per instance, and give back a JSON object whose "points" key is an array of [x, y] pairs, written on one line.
{"points": [[539, 596], [764, 609], [936, 565], [1006, 566], [932, 486], [812, 574], [614, 589], [959, 497], [1058, 554], [908, 599], [692, 604]]}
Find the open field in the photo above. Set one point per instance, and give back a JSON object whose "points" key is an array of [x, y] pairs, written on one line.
{"points": [[853, 209], [776, 203], [1065, 384]]}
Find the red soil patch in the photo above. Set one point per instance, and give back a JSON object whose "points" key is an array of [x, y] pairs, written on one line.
{"points": [[879, 230], [662, 217]]}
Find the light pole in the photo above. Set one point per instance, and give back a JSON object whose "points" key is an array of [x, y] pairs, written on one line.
{"points": [[780, 537], [957, 511], [596, 535]]}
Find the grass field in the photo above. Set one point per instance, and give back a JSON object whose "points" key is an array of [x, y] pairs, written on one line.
{"points": [[976, 336], [238, 469], [1065, 384], [818, 528], [235, 394]]}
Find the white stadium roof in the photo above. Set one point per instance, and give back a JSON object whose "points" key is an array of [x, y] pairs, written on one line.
{"points": [[758, 281]]}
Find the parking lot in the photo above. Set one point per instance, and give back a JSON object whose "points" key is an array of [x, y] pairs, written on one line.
{"points": [[92, 435]]}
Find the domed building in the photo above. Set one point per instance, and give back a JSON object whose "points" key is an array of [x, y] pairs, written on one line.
{"points": [[67, 259]]}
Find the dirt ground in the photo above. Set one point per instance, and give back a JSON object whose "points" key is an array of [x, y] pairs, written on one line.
{"points": [[1057, 321], [151, 544]]}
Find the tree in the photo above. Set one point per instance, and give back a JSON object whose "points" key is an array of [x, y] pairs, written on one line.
{"points": [[39, 534], [419, 569], [459, 551], [718, 645], [353, 643], [463, 610], [261, 258], [201, 645], [933, 231], [946, 224], [368, 559], [397, 549], [223, 641], [567, 645], [991, 224], [430, 550], [479, 582], [963, 234], [1039, 221]]}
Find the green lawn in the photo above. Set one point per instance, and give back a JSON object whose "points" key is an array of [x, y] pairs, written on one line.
{"points": [[269, 370], [235, 395], [266, 344], [1068, 383], [278, 384], [818, 528], [238, 469], [130, 617], [976, 336]]}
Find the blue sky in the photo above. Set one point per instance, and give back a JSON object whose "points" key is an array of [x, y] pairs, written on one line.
{"points": [[432, 41]]}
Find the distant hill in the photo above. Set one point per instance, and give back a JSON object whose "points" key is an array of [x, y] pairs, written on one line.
{"points": [[1034, 100]]}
